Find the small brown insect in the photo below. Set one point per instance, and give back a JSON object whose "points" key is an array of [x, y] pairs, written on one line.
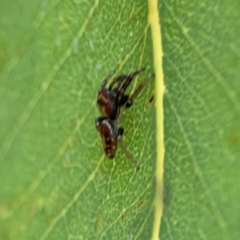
{"points": [[110, 135], [109, 102], [110, 99]]}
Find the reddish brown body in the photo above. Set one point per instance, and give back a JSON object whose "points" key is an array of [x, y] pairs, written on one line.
{"points": [[109, 102], [110, 99], [110, 134]]}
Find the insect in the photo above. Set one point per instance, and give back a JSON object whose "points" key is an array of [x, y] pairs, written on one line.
{"points": [[109, 133], [111, 137], [110, 99], [109, 102]]}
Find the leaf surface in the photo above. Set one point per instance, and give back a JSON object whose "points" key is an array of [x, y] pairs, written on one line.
{"points": [[56, 182], [201, 111]]}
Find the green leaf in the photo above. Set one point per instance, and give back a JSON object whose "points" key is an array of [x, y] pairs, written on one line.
{"points": [[201, 47], [55, 180]]}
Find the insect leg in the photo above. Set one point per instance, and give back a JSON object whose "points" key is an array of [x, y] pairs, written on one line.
{"points": [[127, 82], [118, 80], [150, 100], [138, 90], [128, 154], [106, 79]]}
